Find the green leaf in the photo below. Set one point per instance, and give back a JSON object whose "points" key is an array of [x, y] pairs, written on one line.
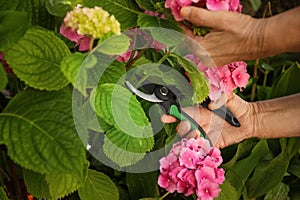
{"points": [[61, 185], [294, 167], [114, 45], [281, 191], [239, 173], [149, 5], [243, 150], [198, 80], [262, 92], [98, 186], [3, 195], [36, 59], [8, 5], [294, 191], [71, 64], [166, 31], [142, 185], [267, 175], [90, 117], [124, 149], [58, 7], [3, 78], [90, 3], [267, 67], [255, 4], [228, 192], [38, 129], [132, 134], [114, 73], [15, 5], [145, 20], [92, 70], [36, 184], [287, 83], [293, 146], [40, 15], [50, 186], [118, 107], [121, 8], [12, 27]]}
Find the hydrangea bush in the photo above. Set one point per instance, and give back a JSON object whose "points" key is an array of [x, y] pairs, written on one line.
{"points": [[63, 105], [191, 167]]}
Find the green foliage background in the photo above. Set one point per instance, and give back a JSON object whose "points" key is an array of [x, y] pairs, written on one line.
{"points": [[41, 153]]}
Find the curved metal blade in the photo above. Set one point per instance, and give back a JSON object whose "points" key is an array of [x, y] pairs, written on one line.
{"points": [[148, 97]]}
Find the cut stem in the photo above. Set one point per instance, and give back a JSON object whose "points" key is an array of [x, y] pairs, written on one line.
{"points": [[255, 76], [164, 196]]}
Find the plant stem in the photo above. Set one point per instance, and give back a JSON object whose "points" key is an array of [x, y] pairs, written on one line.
{"points": [[161, 198], [91, 44], [164, 58], [15, 180], [265, 78], [132, 59], [255, 76]]}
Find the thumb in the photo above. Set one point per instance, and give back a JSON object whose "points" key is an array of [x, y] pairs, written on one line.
{"points": [[214, 19], [213, 105]]}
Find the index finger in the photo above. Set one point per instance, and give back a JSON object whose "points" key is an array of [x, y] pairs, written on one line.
{"points": [[214, 19]]}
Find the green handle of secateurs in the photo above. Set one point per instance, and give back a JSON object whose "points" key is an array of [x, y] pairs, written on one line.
{"points": [[174, 111]]}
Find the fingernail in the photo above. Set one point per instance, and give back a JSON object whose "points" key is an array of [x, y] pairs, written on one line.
{"points": [[185, 11], [164, 119], [183, 127]]}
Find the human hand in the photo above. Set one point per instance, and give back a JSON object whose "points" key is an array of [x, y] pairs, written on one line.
{"points": [[234, 36], [220, 133]]}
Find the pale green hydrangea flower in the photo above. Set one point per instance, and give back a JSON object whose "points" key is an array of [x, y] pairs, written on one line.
{"points": [[94, 22]]}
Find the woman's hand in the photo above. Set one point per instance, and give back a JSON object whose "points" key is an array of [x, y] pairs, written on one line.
{"points": [[234, 36], [220, 132], [239, 37]]}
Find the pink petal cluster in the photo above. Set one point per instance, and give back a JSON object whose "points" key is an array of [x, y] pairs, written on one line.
{"points": [[231, 5], [176, 5], [80, 40], [191, 167], [124, 57], [225, 78]]}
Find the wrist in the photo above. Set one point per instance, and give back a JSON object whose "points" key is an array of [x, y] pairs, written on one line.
{"points": [[246, 113], [282, 33], [256, 122]]}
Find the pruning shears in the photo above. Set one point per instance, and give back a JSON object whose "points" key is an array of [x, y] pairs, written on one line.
{"points": [[166, 98]]}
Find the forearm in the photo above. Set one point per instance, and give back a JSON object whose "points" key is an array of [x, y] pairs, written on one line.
{"points": [[278, 117], [283, 33]]}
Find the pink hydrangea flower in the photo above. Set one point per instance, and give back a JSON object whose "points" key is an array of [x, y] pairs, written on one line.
{"points": [[235, 5], [80, 40], [82, 24], [239, 74], [124, 57], [217, 4], [224, 78], [189, 158], [231, 5], [208, 190], [176, 5], [191, 167]]}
